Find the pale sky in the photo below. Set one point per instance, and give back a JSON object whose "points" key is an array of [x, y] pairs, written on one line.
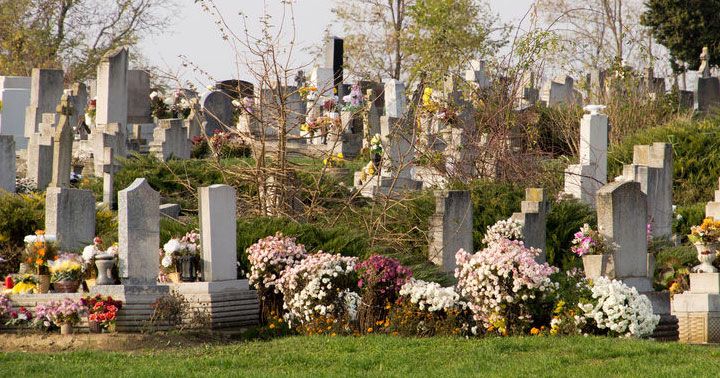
{"points": [[195, 35]]}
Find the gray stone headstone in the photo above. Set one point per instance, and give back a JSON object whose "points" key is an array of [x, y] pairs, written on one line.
{"points": [[712, 209], [653, 168], [533, 216], [70, 215], [139, 233], [108, 176], [7, 163], [45, 92], [170, 140], [451, 227], [708, 94], [64, 137], [395, 102], [39, 159], [138, 97], [15, 97], [218, 232], [112, 85], [622, 219], [170, 210], [80, 101], [559, 91], [218, 110]]}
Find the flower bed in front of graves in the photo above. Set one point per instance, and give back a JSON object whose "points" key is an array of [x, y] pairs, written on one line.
{"points": [[500, 290]]}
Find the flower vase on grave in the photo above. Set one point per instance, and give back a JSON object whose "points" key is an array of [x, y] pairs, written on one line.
{"points": [[66, 329], [66, 286], [42, 283], [105, 263], [598, 266], [706, 255], [188, 268]]}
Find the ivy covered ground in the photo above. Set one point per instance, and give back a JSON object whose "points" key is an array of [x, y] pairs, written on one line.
{"points": [[383, 356]]}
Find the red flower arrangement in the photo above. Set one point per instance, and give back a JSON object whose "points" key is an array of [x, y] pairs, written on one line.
{"points": [[102, 310]]}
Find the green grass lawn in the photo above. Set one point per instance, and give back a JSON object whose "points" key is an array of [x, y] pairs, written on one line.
{"points": [[384, 356]]}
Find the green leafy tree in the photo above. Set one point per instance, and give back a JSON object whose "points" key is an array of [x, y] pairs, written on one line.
{"points": [[444, 35], [73, 34], [685, 27], [400, 38]]}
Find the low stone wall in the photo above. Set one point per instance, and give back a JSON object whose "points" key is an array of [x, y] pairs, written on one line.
{"points": [[214, 305]]}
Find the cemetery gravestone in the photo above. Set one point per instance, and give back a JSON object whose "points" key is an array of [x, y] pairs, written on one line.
{"points": [[170, 140], [15, 97], [45, 92], [138, 97], [218, 110], [112, 88], [533, 216], [217, 228], [70, 215], [139, 233], [584, 179], [451, 227], [622, 219], [653, 168], [7, 163]]}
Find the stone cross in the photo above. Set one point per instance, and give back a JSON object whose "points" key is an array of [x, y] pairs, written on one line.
{"points": [[218, 232], [64, 136], [705, 64], [139, 233]]}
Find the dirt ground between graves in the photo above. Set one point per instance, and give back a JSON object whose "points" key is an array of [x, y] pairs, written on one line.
{"points": [[118, 342]]}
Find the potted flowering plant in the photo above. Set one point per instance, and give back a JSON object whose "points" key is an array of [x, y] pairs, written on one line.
{"points": [[102, 312], [90, 112], [65, 314], [380, 280], [39, 249], [596, 252], [23, 284], [183, 256], [354, 100], [705, 237], [66, 272]]}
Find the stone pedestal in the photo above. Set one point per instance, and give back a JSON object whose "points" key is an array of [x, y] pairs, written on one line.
{"points": [[698, 310]]}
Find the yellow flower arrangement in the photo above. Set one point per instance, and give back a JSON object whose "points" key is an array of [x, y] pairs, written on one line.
{"points": [[337, 161], [68, 267], [707, 232]]}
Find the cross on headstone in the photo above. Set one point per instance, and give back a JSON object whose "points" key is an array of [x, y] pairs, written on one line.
{"points": [[62, 154]]}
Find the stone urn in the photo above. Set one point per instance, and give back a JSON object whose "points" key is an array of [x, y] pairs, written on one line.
{"points": [[42, 283], [598, 266], [66, 329], [66, 286], [706, 256], [105, 263]]}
